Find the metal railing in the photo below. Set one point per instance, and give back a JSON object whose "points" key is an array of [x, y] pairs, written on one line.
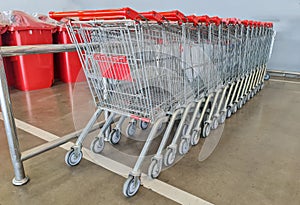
{"points": [[17, 157]]}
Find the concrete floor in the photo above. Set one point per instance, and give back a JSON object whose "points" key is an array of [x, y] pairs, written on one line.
{"points": [[255, 162]]}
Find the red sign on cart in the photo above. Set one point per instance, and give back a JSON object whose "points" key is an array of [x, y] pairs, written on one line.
{"points": [[114, 67]]}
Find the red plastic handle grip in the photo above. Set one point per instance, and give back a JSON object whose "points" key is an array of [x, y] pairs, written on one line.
{"points": [[174, 15], [270, 24], [245, 22], [203, 19], [127, 13], [216, 20], [251, 23], [193, 19], [225, 21], [153, 16]]}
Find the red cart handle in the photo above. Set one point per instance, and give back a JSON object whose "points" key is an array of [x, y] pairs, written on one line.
{"points": [[203, 19], [174, 16], [245, 22], [216, 20], [269, 24], [153, 16], [225, 21], [111, 14], [193, 19], [251, 23]]}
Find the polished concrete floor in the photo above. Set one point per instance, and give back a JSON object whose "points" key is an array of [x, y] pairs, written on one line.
{"points": [[256, 160]]}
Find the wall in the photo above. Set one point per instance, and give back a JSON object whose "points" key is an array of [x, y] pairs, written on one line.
{"points": [[284, 14]]}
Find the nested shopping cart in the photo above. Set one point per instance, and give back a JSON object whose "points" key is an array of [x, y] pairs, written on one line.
{"points": [[134, 70], [160, 67]]}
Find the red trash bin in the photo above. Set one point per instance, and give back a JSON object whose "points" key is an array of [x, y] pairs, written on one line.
{"points": [[67, 64], [8, 71], [35, 71]]}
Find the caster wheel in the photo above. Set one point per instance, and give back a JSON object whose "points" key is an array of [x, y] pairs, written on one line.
{"points": [[252, 94], [229, 113], [267, 76], [144, 125], [262, 86], [234, 108], [73, 158], [255, 91], [184, 129], [240, 104], [131, 186], [131, 129], [206, 130], [222, 117], [169, 157], [97, 145], [248, 97], [115, 136], [195, 137], [154, 169], [215, 123], [184, 146]]}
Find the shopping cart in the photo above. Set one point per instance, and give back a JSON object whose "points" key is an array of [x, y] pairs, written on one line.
{"points": [[134, 70], [161, 67]]}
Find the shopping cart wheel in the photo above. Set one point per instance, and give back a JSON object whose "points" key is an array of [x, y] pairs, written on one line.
{"points": [[144, 125], [222, 117], [252, 94], [195, 137], [97, 145], [206, 130], [240, 104], [169, 157], [184, 146], [229, 112], [262, 86], [131, 128], [255, 90], [267, 76], [131, 186], [248, 97], [215, 123], [154, 168], [73, 158], [234, 108], [115, 136]]}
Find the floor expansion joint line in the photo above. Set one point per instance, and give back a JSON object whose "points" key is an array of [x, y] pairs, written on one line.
{"points": [[157, 186], [285, 81]]}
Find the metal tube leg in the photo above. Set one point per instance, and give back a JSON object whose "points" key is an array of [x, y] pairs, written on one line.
{"points": [[10, 128], [190, 127], [228, 97], [120, 122], [180, 126], [221, 101], [213, 106], [236, 91], [106, 125], [168, 132], [87, 128], [197, 127], [259, 81], [136, 169], [242, 89]]}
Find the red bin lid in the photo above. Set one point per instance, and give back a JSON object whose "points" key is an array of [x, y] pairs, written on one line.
{"points": [[20, 20]]}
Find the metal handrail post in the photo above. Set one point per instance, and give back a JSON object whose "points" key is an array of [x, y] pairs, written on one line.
{"points": [[10, 128]]}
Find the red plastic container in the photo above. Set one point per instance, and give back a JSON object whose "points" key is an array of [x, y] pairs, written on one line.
{"points": [[66, 64], [9, 72], [31, 72]]}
